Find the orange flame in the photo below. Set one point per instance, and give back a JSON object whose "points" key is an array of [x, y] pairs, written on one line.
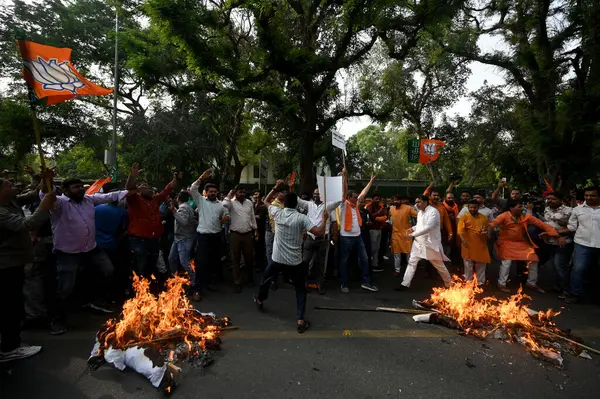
{"points": [[193, 265], [478, 316], [146, 318]]}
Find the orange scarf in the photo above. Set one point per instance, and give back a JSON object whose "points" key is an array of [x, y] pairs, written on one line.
{"points": [[348, 216], [451, 209]]}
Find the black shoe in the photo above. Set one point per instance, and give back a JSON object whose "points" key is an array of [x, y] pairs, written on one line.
{"points": [[238, 289], [303, 327], [378, 269], [401, 288], [321, 289], [259, 304], [57, 328]]}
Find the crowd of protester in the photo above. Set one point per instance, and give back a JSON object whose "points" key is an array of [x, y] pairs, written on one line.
{"points": [[58, 243]]}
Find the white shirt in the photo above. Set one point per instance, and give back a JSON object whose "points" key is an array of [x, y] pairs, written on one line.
{"points": [[483, 210], [585, 222], [287, 246], [315, 212], [355, 231], [428, 237], [242, 215], [209, 212]]}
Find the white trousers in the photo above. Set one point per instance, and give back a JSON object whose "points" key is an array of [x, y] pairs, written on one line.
{"points": [[412, 268], [479, 271], [532, 275]]}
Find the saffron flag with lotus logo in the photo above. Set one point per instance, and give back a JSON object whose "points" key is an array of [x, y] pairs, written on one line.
{"points": [[424, 151], [51, 76]]}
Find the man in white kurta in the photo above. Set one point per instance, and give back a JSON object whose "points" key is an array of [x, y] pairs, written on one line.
{"points": [[427, 243]]}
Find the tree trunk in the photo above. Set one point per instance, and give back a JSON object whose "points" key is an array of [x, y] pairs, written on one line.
{"points": [[307, 155]]}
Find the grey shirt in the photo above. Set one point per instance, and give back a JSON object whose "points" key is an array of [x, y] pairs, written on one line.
{"points": [[16, 248], [185, 225], [287, 246], [210, 213]]}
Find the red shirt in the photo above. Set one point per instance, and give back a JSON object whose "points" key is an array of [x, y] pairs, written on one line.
{"points": [[144, 215]]}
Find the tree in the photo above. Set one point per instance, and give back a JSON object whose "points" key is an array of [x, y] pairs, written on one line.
{"points": [[286, 54], [418, 88], [550, 51]]}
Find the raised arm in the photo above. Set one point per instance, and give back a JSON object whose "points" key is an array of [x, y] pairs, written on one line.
{"points": [[14, 222], [450, 187], [269, 198], [427, 191], [131, 183], [496, 192], [365, 191], [195, 187], [227, 200]]}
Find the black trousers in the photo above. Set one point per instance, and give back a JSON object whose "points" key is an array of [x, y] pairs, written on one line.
{"points": [[296, 273], [11, 307], [208, 259]]}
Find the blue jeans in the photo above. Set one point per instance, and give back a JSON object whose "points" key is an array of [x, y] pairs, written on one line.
{"points": [[561, 258], [179, 255], [582, 258], [348, 245]]}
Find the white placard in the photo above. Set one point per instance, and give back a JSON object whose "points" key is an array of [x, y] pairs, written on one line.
{"points": [[334, 188], [338, 140]]}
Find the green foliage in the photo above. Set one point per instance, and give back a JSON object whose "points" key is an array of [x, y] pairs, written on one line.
{"points": [[81, 162]]}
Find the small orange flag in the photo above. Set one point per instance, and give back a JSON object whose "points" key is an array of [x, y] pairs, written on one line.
{"points": [[97, 185], [430, 150], [51, 76]]}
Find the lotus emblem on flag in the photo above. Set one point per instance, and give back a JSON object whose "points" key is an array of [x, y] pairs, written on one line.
{"points": [[429, 148], [54, 76]]}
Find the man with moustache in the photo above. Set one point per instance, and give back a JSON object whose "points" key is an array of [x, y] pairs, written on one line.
{"points": [[211, 216]]}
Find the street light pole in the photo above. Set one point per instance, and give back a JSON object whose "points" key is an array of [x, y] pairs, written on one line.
{"points": [[115, 98]]}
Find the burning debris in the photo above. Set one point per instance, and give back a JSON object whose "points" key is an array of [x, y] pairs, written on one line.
{"points": [[459, 307], [154, 335]]}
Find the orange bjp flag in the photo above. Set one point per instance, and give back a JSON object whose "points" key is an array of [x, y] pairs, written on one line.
{"points": [[51, 76], [430, 150], [98, 184]]}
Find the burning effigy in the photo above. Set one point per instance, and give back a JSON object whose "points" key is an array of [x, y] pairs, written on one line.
{"points": [[155, 335], [460, 307]]}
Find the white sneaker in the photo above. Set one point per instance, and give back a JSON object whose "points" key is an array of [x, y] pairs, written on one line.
{"points": [[21, 352], [345, 290], [385, 258]]}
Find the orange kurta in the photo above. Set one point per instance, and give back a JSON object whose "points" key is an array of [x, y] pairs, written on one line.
{"points": [[470, 227], [401, 223], [514, 242]]}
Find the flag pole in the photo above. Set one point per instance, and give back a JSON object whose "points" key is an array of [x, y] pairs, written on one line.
{"points": [[38, 141], [115, 97]]}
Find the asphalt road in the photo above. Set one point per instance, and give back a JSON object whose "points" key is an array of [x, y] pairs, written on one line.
{"points": [[344, 355]]}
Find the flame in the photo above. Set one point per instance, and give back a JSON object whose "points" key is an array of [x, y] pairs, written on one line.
{"points": [[480, 316], [147, 318], [193, 265]]}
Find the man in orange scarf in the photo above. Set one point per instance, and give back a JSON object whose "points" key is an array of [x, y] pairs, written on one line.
{"points": [[514, 242], [350, 223]]}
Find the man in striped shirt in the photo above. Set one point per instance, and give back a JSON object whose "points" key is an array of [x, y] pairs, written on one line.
{"points": [[287, 251]]}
